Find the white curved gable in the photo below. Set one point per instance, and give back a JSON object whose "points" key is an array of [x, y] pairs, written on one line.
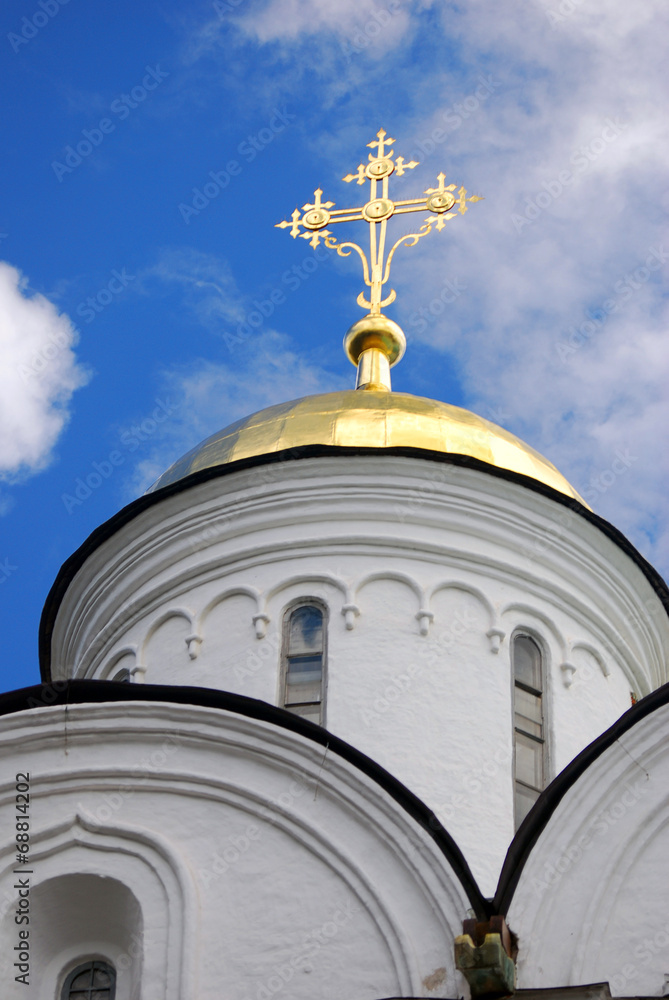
{"points": [[271, 860], [425, 573], [592, 901]]}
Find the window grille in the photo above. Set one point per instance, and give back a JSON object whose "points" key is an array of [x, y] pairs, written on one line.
{"points": [[92, 980], [304, 661], [528, 721]]}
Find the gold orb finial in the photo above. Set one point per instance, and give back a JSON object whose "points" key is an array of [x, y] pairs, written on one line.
{"points": [[374, 344], [443, 202]]}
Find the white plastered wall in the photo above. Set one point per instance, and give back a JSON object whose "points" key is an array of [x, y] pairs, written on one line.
{"points": [[254, 857], [591, 904], [427, 571]]}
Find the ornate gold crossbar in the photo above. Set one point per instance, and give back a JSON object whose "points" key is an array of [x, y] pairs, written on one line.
{"points": [[375, 343], [442, 202]]}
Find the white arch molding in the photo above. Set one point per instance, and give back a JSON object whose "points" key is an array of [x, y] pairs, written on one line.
{"points": [[147, 867], [317, 815]]}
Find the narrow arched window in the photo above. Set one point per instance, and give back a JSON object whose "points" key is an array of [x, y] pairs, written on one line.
{"points": [[92, 980], [303, 666], [528, 722]]}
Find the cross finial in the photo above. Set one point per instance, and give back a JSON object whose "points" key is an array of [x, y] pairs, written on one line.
{"points": [[441, 203], [381, 140]]}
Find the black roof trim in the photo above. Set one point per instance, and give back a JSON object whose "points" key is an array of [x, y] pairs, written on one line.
{"points": [[102, 692], [71, 566], [539, 816], [591, 991]]}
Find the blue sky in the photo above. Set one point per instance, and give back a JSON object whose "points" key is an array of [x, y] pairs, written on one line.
{"points": [[129, 273]]}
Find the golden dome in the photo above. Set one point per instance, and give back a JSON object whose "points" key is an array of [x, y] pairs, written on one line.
{"points": [[355, 419]]}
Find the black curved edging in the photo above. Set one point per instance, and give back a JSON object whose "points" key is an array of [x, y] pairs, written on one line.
{"points": [[101, 692], [541, 812], [105, 531]]}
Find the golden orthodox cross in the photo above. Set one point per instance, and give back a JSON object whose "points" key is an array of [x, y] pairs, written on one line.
{"points": [[314, 218]]}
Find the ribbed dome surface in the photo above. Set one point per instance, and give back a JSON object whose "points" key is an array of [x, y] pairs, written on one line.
{"points": [[368, 420]]}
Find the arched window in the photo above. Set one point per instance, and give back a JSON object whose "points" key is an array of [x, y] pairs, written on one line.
{"points": [[303, 665], [92, 980], [528, 722], [122, 677]]}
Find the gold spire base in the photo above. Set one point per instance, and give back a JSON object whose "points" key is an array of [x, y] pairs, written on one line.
{"points": [[374, 344], [373, 371]]}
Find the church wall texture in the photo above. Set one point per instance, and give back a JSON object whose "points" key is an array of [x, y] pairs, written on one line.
{"points": [[426, 572]]}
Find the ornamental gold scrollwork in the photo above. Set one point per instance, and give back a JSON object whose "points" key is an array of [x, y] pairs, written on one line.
{"points": [[443, 202]]}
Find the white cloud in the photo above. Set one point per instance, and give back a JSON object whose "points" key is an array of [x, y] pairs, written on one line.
{"points": [[7, 502], [532, 284], [263, 367], [326, 34], [208, 287], [382, 22], [577, 87], [207, 396], [38, 376]]}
